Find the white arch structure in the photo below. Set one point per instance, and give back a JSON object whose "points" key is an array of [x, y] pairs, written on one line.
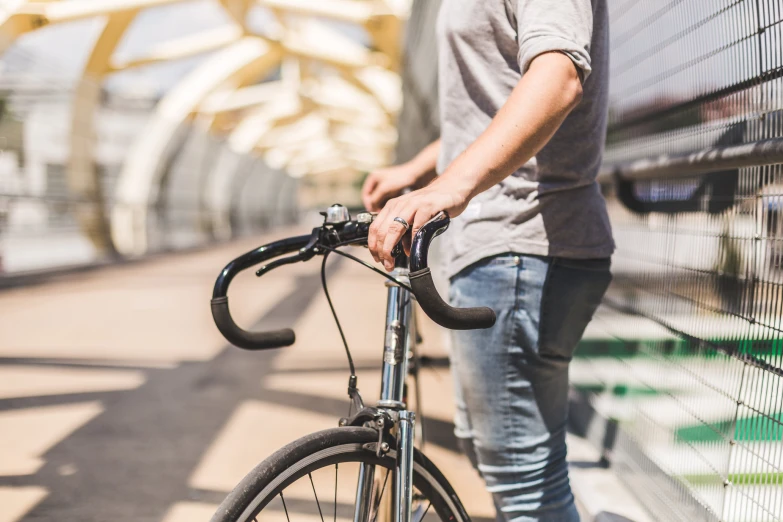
{"points": [[332, 110]]}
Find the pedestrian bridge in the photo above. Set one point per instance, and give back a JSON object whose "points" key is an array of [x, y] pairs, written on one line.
{"points": [[190, 132], [115, 386]]}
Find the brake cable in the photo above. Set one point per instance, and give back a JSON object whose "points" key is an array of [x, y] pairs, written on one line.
{"points": [[353, 391], [365, 264], [334, 314]]}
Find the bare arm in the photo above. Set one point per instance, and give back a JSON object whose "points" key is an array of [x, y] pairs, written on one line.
{"points": [[384, 184], [536, 108], [426, 161], [530, 117]]}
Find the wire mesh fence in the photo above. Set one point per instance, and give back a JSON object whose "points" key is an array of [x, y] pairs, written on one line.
{"points": [[687, 352], [685, 357]]}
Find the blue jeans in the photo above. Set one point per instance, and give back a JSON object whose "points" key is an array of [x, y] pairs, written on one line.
{"points": [[511, 381]]}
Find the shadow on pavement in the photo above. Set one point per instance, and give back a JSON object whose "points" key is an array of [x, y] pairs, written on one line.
{"points": [[133, 461], [605, 516]]}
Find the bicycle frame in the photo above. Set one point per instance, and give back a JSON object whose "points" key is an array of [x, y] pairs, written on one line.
{"points": [[397, 345], [411, 279]]}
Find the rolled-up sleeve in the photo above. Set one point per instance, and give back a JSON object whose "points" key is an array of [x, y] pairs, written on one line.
{"points": [[555, 25]]}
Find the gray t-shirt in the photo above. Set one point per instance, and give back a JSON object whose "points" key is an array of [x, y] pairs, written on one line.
{"points": [[551, 206]]}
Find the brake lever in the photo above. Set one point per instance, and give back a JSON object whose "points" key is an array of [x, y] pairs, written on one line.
{"points": [[305, 254], [284, 261]]}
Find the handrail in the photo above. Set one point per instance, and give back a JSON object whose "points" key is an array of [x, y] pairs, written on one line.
{"points": [[713, 159]]}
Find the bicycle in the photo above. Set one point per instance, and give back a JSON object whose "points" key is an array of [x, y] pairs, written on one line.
{"points": [[374, 438]]}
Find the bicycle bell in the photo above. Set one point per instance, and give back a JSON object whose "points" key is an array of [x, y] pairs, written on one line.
{"points": [[336, 215]]}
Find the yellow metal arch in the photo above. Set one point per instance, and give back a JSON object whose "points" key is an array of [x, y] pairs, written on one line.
{"points": [[357, 130], [237, 64], [83, 178]]}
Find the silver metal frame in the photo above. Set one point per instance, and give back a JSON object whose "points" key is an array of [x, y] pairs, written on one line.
{"points": [[705, 161], [396, 349]]}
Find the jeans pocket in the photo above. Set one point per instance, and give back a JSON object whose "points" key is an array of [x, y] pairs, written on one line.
{"points": [[491, 261], [491, 279], [572, 291]]}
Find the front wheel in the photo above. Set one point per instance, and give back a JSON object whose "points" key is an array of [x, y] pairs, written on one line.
{"points": [[315, 478]]}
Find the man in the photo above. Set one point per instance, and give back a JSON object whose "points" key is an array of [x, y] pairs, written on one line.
{"points": [[523, 106]]}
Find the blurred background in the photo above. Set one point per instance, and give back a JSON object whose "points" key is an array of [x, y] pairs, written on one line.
{"points": [[145, 143]]}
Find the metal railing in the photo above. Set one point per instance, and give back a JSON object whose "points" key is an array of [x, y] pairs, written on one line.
{"points": [[686, 355], [40, 227]]}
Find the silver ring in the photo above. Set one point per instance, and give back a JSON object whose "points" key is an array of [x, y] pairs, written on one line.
{"points": [[402, 222]]}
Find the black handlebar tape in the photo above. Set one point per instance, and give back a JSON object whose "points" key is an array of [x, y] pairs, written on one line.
{"points": [[244, 339], [443, 314]]}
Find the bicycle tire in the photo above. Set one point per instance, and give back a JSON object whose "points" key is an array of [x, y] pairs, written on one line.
{"points": [[322, 449]]}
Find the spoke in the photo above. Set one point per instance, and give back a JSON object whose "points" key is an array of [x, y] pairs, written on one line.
{"points": [[417, 514], [284, 507], [316, 497], [335, 493], [425, 511], [380, 497]]}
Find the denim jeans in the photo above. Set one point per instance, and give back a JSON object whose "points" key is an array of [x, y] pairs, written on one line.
{"points": [[511, 381]]}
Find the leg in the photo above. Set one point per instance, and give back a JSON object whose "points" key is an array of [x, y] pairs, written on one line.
{"points": [[488, 281], [513, 378]]}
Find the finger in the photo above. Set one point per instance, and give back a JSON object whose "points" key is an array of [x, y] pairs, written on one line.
{"points": [[387, 225], [381, 195], [369, 186], [416, 223], [374, 240], [423, 215], [382, 224], [377, 200], [395, 232]]}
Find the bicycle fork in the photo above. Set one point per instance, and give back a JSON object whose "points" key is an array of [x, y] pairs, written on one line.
{"points": [[395, 370], [403, 490]]}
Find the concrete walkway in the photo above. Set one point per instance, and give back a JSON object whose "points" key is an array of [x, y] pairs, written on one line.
{"points": [[120, 401]]}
